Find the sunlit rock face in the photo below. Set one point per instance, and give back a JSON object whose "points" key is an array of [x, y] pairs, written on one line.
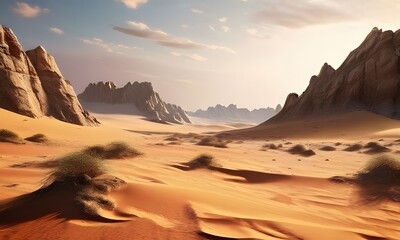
{"points": [[140, 96], [31, 84], [368, 80]]}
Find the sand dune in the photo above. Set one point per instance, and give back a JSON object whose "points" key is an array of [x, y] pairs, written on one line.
{"points": [[251, 194]]}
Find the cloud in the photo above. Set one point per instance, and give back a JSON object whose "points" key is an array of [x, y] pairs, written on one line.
{"points": [[108, 47], [133, 4], [164, 39], [56, 30], [225, 28], [27, 11], [302, 13], [257, 33], [197, 11], [223, 19], [191, 56]]}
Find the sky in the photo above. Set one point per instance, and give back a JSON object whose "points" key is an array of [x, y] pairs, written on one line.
{"points": [[199, 53]]}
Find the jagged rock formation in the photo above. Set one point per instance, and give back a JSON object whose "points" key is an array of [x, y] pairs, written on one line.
{"points": [[138, 96], [234, 114], [368, 80], [32, 85]]}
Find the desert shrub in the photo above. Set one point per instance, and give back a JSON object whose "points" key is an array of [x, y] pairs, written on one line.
{"points": [[202, 161], [353, 148], [380, 179], [375, 147], [327, 148], [77, 166], [384, 169], [301, 150], [297, 149], [270, 146], [115, 150], [213, 142], [37, 138], [9, 136]]}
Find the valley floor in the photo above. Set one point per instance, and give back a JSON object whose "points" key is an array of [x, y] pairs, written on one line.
{"points": [[255, 193]]}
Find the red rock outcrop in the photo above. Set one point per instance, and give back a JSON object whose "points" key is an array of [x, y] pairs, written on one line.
{"points": [[31, 84], [140, 96], [368, 80]]}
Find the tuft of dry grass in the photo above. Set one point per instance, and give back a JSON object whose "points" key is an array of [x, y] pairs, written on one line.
{"points": [[37, 138], [353, 148], [327, 148], [9, 136], [301, 150], [213, 141], [115, 150], [374, 148], [77, 167], [202, 161], [380, 179]]}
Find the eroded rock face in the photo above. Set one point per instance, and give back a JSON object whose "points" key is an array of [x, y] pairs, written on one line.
{"points": [[235, 114], [32, 85], [140, 95], [368, 80]]}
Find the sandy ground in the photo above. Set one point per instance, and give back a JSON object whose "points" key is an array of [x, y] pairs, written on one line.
{"points": [[257, 193]]}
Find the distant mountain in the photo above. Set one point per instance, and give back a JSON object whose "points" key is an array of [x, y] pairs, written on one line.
{"points": [[32, 85], [234, 114], [134, 98], [368, 80]]}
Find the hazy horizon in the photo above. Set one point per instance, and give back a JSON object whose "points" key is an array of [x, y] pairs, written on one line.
{"points": [[197, 54]]}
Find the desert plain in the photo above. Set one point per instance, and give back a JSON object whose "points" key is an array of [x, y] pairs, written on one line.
{"points": [[257, 188]]}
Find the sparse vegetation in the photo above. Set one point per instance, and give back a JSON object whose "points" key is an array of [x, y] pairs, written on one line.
{"points": [[327, 148], [115, 150], [301, 150], [202, 161], [37, 138], [9, 136], [77, 167], [270, 146], [213, 141], [375, 147], [353, 148]]}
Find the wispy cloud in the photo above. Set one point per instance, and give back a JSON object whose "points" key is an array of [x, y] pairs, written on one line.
{"points": [[257, 33], [27, 11], [141, 30], [192, 56], [302, 13], [133, 4], [196, 11], [56, 30], [106, 46]]}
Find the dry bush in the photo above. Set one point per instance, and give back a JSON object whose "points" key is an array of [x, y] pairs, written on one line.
{"points": [[115, 150], [37, 138], [9, 136], [213, 141], [270, 146], [202, 161], [77, 167], [327, 148], [353, 148], [380, 179], [375, 147], [301, 150]]}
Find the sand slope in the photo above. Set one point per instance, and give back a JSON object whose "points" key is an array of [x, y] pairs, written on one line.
{"points": [[252, 194]]}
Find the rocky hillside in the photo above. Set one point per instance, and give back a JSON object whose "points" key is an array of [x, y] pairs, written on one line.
{"points": [[137, 96], [232, 113], [32, 85], [368, 80]]}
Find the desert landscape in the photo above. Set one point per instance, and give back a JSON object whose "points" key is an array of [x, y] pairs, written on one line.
{"points": [[119, 161]]}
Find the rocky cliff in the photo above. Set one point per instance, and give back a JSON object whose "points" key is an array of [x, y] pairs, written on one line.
{"points": [[368, 80], [139, 96], [234, 114], [32, 85]]}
